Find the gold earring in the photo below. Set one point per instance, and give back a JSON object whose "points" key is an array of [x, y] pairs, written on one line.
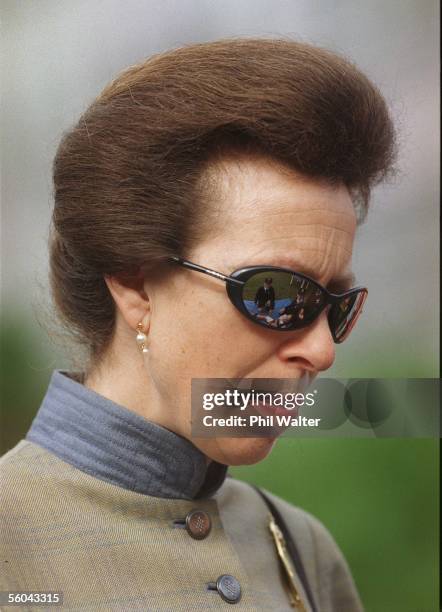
{"points": [[141, 338]]}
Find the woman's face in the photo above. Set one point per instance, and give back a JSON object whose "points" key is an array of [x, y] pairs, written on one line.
{"points": [[265, 214]]}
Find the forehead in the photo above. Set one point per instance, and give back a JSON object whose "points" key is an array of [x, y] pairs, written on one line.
{"points": [[267, 213]]}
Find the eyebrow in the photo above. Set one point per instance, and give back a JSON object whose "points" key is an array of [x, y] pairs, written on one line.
{"points": [[340, 282]]}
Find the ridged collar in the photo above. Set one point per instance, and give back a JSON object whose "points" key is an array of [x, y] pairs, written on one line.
{"points": [[112, 443]]}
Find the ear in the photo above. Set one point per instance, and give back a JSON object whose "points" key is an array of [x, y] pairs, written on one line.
{"points": [[131, 299]]}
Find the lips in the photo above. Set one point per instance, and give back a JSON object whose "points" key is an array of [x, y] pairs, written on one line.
{"points": [[265, 409]]}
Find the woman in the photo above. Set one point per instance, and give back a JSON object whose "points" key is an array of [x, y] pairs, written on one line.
{"points": [[194, 164]]}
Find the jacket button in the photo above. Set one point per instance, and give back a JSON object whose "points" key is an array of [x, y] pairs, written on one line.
{"points": [[198, 524], [228, 587]]}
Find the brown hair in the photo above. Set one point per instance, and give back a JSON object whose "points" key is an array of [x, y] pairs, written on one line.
{"points": [[126, 175]]}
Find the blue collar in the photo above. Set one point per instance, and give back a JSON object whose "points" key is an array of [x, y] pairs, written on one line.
{"points": [[112, 443]]}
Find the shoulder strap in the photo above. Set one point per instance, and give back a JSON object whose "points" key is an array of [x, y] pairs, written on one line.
{"points": [[291, 547]]}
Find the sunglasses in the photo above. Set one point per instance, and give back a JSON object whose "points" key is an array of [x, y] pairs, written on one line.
{"points": [[284, 300]]}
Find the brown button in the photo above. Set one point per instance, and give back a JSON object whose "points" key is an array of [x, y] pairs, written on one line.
{"points": [[198, 524], [228, 588]]}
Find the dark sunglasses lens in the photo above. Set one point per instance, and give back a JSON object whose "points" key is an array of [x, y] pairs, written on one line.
{"points": [[282, 299], [343, 315]]}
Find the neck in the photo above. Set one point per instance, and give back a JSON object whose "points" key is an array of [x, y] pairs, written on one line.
{"points": [[131, 387], [112, 443]]}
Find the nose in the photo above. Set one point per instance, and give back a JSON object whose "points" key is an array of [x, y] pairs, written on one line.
{"points": [[312, 348]]}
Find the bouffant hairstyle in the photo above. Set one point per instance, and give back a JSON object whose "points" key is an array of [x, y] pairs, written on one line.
{"points": [[127, 176]]}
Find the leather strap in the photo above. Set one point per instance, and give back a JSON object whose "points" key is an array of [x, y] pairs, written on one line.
{"points": [[291, 546]]}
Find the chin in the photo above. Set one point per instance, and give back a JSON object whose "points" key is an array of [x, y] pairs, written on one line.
{"points": [[241, 451]]}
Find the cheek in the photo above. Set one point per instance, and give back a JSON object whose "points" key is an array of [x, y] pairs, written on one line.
{"points": [[201, 335]]}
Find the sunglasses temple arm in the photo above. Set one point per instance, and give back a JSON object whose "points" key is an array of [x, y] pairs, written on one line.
{"points": [[208, 271]]}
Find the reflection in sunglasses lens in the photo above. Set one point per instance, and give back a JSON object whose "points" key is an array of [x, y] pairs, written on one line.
{"points": [[343, 315], [281, 299]]}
